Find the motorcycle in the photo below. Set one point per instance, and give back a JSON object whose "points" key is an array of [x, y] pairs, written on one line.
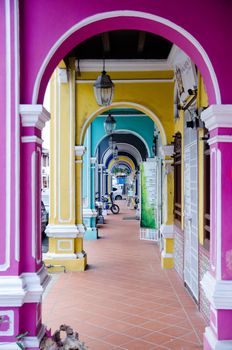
{"points": [[109, 204]]}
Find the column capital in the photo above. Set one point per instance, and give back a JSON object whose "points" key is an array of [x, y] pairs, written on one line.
{"points": [[34, 116], [218, 292], [167, 150], [217, 116], [80, 150]]}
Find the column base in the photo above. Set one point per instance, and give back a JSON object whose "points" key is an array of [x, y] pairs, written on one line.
{"points": [[65, 262], [212, 343], [89, 217], [91, 233], [167, 261]]}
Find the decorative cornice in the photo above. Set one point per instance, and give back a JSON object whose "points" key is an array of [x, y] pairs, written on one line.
{"points": [[34, 116], [80, 150], [36, 284], [32, 139], [124, 65], [220, 138], [12, 291], [26, 288], [218, 292], [217, 116], [61, 231]]}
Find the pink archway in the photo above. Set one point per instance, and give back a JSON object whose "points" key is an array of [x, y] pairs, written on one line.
{"points": [[35, 36], [47, 35], [117, 20]]}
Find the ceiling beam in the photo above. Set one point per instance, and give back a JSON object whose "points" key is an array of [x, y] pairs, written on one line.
{"points": [[141, 41], [106, 42]]}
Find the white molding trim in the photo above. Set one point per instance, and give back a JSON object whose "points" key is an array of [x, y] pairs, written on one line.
{"points": [[32, 139], [17, 130], [218, 292], [26, 288], [124, 131], [89, 213], [52, 256], [36, 284], [9, 346], [220, 138], [126, 13], [122, 65], [167, 231], [124, 147], [166, 150], [216, 344], [81, 228], [12, 291], [134, 105], [63, 75], [217, 116], [166, 255], [8, 73], [128, 81], [80, 150], [62, 231], [34, 116]]}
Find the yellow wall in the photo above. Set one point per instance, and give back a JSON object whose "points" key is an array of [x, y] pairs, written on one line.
{"points": [[202, 101], [156, 96]]}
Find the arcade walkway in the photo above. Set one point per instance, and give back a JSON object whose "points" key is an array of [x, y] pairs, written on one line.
{"points": [[124, 300]]}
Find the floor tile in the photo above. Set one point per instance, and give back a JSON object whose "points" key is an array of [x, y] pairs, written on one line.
{"points": [[124, 300]]}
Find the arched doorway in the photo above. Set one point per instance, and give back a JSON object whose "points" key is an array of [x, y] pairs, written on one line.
{"points": [[32, 90]]}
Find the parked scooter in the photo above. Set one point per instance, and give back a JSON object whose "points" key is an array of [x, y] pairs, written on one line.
{"points": [[109, 204]]}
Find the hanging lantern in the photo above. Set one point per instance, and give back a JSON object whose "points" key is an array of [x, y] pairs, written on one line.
{"points": [[103, 89], [109, 124]]}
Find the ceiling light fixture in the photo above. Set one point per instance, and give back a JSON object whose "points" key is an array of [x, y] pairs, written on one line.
{"points": [[103, 88], [109, 124]]}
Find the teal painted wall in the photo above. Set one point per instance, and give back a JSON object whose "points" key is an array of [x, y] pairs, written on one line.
{"points": [[142, 125]]}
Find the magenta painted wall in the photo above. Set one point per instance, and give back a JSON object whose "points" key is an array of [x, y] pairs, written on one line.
{"points": [[43, 22]]}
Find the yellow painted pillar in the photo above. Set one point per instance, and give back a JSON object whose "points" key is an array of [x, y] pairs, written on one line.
{"points": [[62, 230], [166, 229], [79, 152]]}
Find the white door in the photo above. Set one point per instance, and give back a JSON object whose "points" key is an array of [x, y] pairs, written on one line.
{"points": [[191, 213]]}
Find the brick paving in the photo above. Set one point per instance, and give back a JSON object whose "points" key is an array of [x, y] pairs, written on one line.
{"points": [[124, 300]]}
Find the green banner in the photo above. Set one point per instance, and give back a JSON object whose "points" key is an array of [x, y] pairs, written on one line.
{"points": [[148, 195]]}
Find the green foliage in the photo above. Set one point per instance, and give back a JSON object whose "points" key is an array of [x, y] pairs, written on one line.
{"points": [[118, 170]]}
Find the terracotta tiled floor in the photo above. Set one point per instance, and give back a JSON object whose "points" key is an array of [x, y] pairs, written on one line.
{"points": [[124, 300]]}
